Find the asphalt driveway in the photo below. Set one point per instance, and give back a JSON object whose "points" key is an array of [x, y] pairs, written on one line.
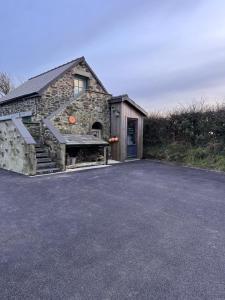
{"points": [[141, 230]]}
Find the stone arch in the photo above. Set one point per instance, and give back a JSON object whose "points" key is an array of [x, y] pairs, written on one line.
{"points": [[97, 125], [96, 129]]}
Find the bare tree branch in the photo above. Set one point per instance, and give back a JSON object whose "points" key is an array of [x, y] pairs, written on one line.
{"points": [[6, 84]]}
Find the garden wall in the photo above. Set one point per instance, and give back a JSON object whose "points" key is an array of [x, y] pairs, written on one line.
{"points": [[15, 154]]}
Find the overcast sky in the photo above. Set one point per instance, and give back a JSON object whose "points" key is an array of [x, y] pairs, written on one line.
{"points": [[161, 52]]}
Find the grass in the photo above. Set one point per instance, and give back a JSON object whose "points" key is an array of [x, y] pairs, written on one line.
{"points": [[210, 156]]}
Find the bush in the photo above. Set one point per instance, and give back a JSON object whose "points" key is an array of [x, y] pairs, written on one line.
{"points": [[216, 148], [155, 152], [176, 152], [196, 126], [199, 153], [219, 163], [194, 136]]}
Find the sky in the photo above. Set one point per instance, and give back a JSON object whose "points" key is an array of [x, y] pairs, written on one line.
{"points": [[162, 53]]}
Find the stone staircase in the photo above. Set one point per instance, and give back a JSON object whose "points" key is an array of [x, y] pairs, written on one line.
{"points": [[45, 164]]}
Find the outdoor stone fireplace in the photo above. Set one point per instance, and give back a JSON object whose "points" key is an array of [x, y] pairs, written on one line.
{"points": [[76, 156], [85, 150]]}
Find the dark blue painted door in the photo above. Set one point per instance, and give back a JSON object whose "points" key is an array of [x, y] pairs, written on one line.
{"points": [[131, 138]]}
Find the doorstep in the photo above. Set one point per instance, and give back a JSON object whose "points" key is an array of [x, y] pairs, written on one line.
{"points": [[112, 162], [131, 159]]}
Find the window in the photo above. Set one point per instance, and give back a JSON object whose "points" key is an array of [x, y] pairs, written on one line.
{"points": [[131, 132], [80, 84]]}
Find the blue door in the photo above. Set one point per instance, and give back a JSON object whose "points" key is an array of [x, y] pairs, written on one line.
{"points": [[132, 138]]}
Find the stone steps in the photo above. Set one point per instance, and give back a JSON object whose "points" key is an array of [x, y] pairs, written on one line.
{"points": [[45, 164], [47, 171], [40, 149], [42, 154], [34, 128], [43, 159]]}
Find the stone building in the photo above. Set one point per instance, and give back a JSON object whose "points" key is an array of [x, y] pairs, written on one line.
{"points": [[65, 118]]}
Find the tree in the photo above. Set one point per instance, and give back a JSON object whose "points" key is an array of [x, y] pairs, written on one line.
{"points": [[6, 84]]}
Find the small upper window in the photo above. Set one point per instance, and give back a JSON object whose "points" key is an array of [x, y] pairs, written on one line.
{"points": [[80, 84]]}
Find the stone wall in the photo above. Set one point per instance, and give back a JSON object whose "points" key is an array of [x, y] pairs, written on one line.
{"points": [[15, 106], [54, 96], [87, 109], [35, 130], [15, 154], [61, 91], [57, 151]]}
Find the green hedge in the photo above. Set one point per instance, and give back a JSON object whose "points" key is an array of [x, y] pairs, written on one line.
{"points": [[194, 136]]}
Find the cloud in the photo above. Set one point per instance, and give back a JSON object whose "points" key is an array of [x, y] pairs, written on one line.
{"points": [[153, 50], [194, 77]]}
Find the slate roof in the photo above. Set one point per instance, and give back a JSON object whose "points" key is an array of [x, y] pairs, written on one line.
{"points": [[36, 84], [85, 139], [125, 98]]}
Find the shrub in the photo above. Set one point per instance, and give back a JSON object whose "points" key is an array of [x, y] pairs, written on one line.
{"points": [[194, 125], [216, 148], [175, 152], [155, 152], [199, 153], [193, 135]]}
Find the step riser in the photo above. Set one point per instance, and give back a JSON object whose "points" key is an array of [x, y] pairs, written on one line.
{"points": [[42, 155], [47, 171], [41, 150], [43, 160], [46, 165]]}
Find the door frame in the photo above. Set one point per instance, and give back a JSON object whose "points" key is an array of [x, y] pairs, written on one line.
{"points": [[136, 136]]}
